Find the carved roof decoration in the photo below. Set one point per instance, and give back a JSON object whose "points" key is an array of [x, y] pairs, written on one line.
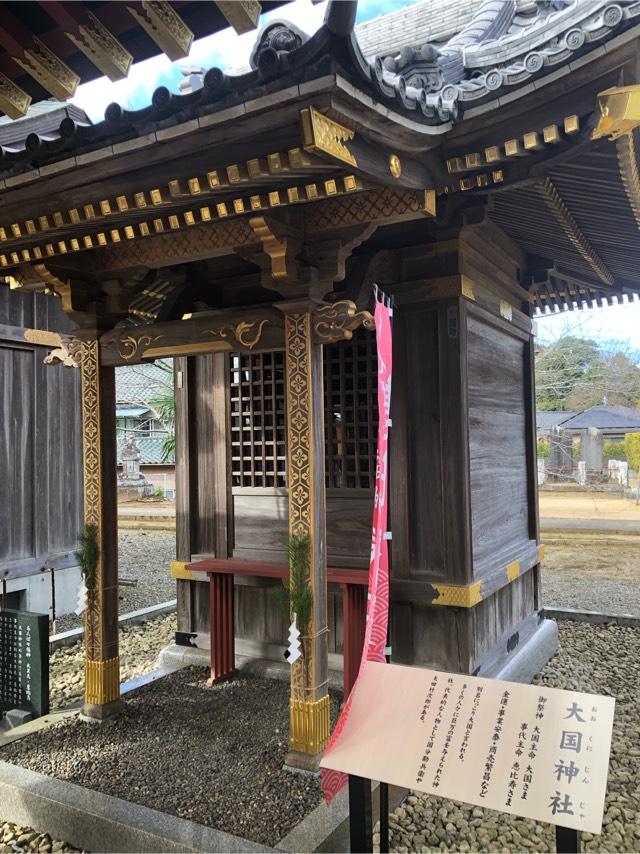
{"points": [[501, 50], [496, 53]]}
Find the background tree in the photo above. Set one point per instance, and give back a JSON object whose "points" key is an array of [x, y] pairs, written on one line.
{"points": [[575, 373]]}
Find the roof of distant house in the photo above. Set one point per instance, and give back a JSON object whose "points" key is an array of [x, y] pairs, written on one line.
{"points": [[624, 418], [138, 385], [545, 420]]}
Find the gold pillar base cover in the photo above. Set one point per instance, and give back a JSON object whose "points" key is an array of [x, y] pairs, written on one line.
{"points": [[310, 725], [101, 681]]}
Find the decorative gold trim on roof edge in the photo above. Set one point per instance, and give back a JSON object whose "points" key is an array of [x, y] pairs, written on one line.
{"points": [[203, 186], [619, 111], [320, 133], [201, 215], [49, 70], [164, 25], [103, 49], [14, 101]]}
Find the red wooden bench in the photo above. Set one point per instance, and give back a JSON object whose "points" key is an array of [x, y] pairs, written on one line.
{"points": [[353, 583]]}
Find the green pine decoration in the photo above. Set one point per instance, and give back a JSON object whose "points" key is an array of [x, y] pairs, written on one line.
{"points": [[88, 555], [295, 595]]}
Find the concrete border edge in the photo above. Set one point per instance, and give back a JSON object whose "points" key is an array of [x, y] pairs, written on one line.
{"points": [[94, 821]]}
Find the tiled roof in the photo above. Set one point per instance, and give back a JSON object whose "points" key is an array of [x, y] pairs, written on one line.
{"points": [[140, 384], [623, 418], [415, 24], [432, 61], [546, 420]]}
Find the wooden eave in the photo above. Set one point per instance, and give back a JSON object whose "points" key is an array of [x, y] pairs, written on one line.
{"points": [[50, 48]]}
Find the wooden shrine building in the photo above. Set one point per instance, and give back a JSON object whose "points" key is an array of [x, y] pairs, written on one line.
{"points": [[240, 228]]}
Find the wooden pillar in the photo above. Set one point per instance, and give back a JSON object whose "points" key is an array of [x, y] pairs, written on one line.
{"points": [[102, 665], [306, 488]]}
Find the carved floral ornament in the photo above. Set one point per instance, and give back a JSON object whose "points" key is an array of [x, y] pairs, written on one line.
{"points": [[67, 354], [243, 335], [337, 321]]}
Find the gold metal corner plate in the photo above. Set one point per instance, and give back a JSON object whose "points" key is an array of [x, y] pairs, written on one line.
{"points": [[458, 595], [619, 111], [513, 570], [178, 569], [320, 133]]}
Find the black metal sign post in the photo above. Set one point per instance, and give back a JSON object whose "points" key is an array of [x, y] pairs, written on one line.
{"points": [[361, 824], [567, 840]]}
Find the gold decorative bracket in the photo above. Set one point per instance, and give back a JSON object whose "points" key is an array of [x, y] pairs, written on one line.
{"points": [[100, 46], [320, 133], [163, 24], [619, 111], [280, 244], [48, 69], [14, 101], [242, 15], [337, 321]]}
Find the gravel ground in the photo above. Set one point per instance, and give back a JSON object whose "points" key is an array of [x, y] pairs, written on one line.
{"points": [[145, 556], [597, 659], [592, 574], [237, 731], [16, 838], [139, 648]]}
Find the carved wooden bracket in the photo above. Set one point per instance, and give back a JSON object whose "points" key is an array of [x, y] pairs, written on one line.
{"points": [[337, 321], [259, 328], [67, 354], [280, 244]]}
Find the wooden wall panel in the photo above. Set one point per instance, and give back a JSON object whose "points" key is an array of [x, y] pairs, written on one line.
{"points": [[497, 439], [59, 432], [261, 523], [40, 443], [17, 446]]}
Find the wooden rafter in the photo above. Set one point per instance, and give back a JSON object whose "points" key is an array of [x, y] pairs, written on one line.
{"points": [[564, 217], [160, 221], [629, 174], [242, 15], [259, 174], [36, 58], [89, 34], [164, 25]]}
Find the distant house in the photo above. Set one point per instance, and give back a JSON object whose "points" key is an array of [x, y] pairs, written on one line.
{"points": [[138, 387], [614, 422], [546, 421]]}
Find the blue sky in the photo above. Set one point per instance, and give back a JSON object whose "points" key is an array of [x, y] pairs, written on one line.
{"points": [[229, 51]]}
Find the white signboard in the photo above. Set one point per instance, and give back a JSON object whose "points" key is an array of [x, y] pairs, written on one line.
{"points": [[533, 751]]}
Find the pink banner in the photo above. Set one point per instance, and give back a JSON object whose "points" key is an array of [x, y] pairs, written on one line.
{"points": [[375, 638]]}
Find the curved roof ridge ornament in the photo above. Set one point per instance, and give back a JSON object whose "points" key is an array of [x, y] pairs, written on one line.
{"points": [[277, 37], [340, 17]]}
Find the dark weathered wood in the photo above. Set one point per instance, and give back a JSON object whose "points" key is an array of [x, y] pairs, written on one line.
{"points": [[40, 442], [220, 464], [186, 455], [109, 501], [251, 328]]}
